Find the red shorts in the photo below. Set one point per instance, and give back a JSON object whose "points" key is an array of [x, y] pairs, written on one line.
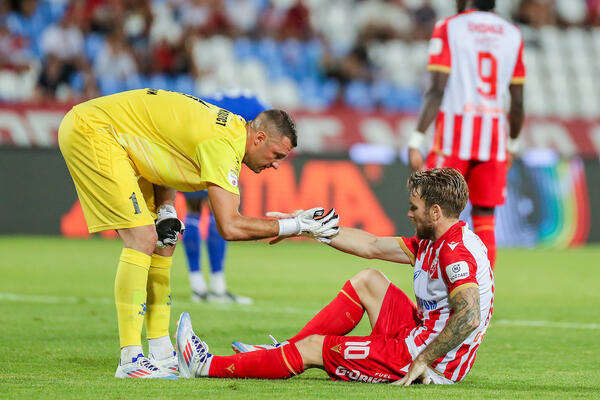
{"points": [[486, 179], [380, 356]]}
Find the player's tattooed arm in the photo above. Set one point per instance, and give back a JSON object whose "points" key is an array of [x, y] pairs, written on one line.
{"points": [[464, 319]]}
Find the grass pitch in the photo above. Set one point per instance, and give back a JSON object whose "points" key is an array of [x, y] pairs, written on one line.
{"points": [[59, 335]]}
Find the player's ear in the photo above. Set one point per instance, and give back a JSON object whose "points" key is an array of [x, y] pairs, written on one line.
{"points": [[435, 212], [260, 137]]}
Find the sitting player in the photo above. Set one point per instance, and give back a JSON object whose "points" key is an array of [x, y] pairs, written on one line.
{"points": [[248, 106], [434, 340]]}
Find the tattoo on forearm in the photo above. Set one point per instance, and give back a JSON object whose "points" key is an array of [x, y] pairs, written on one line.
{"points": [[464, 319]]}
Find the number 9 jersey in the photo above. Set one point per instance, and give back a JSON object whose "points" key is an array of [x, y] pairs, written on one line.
{"points": [[483, 55]]}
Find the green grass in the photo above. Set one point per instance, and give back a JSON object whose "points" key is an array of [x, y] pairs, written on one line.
{"points": [[58, 335]]}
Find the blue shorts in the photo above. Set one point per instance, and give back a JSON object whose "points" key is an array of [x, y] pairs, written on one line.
{"points": [[200, 194]]}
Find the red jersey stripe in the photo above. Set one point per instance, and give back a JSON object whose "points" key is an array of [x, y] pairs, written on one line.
{"points": [[477, 120], [458, 119], [452, 365], [465, 366], [495, 133]]}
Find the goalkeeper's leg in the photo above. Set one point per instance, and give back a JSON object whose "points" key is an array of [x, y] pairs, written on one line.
{"points": [[130, 287], [158, 310]]}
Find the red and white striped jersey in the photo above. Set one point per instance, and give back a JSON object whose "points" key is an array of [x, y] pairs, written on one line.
{"points": [[483, 54], [457, 260]]}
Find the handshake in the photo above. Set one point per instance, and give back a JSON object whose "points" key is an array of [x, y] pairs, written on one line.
{"points": [[312, 223]]}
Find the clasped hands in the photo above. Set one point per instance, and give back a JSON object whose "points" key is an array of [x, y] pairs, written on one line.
{"points": [[313, 223]]}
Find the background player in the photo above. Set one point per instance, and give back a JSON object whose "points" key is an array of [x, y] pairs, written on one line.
{"points": [[474, 57], [248, 106], [127, 154], [435, 340]]}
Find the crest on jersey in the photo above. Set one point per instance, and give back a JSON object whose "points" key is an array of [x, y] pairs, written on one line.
{"points": [[234, 176], [456, 271]]}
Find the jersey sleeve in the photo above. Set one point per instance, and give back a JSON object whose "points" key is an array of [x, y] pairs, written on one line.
{"points": [[518, 76], [410, 247], [458, 269], [439, 49], [219, 164]]}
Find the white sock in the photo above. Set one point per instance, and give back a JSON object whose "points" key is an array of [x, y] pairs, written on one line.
{"points": [[128, 353], [206, 367], [217, 283], [160, 348], [197, 282]]}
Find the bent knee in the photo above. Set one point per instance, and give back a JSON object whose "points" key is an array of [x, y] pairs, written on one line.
{"points": [[369, 280], [141, 238], [311, 350]]}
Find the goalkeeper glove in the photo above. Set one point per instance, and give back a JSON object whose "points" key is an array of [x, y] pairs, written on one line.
{"points": [[313, 223], [168, 226]]}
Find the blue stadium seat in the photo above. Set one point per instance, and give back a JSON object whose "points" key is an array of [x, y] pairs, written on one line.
{"points": [[159, 81], [358, 94], [76, 82], [94, 42], [244, 48], [110, 85], [185, 84], [134, 82], [268, 51]]}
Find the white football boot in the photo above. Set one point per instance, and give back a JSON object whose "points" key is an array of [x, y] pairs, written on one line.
{"points": [[228, 297], [169, 364], [191, 351], [142, 367], [240, 347]]}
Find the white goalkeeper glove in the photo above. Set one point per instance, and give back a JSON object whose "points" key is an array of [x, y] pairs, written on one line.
{"points": [[168, 226], [312, 223]]}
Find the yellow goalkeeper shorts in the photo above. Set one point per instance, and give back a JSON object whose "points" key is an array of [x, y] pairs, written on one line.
{"points": [[111, 195]]}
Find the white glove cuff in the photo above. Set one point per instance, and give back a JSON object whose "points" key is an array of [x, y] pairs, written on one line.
{"points": [[415, 140], [165, 211], [513, 145], [288, 226]]}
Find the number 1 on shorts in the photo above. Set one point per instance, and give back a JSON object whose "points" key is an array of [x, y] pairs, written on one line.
{"points": [[136, 206]]}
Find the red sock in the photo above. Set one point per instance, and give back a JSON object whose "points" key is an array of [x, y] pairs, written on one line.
{"points": [[337, 318], [483, 226], [281, 363]]}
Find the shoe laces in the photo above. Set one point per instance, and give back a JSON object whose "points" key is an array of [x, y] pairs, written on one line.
{"points": [[146, 363], [276, 342], [200, 346]]}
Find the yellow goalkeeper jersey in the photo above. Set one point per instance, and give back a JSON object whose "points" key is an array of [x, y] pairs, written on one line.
{"points": [[173, 139]]}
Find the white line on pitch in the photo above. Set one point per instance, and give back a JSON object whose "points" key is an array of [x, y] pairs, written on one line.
{"points": [[545, 324], [24, 298]]}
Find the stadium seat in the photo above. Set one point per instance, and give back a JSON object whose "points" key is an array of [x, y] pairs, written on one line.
{"points": [[284, 94], [94, 42], [110, 85], [244, 48], [358, 94], [184, 83]]}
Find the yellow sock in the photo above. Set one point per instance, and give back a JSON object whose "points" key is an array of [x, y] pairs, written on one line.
{"points": [[130, 295], [159, 297]]}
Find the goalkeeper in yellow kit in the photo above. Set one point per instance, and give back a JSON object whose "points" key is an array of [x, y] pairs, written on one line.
{"points": [[128, 153]]}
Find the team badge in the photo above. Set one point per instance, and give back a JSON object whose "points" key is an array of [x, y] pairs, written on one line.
{"points": [[233, 178], [456, 271], [231, 368]]}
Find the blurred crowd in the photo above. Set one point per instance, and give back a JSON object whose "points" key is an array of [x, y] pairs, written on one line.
{"points": [[293, 52]]}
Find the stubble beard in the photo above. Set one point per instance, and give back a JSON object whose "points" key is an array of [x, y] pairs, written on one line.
{"points": [[425, 231]]}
